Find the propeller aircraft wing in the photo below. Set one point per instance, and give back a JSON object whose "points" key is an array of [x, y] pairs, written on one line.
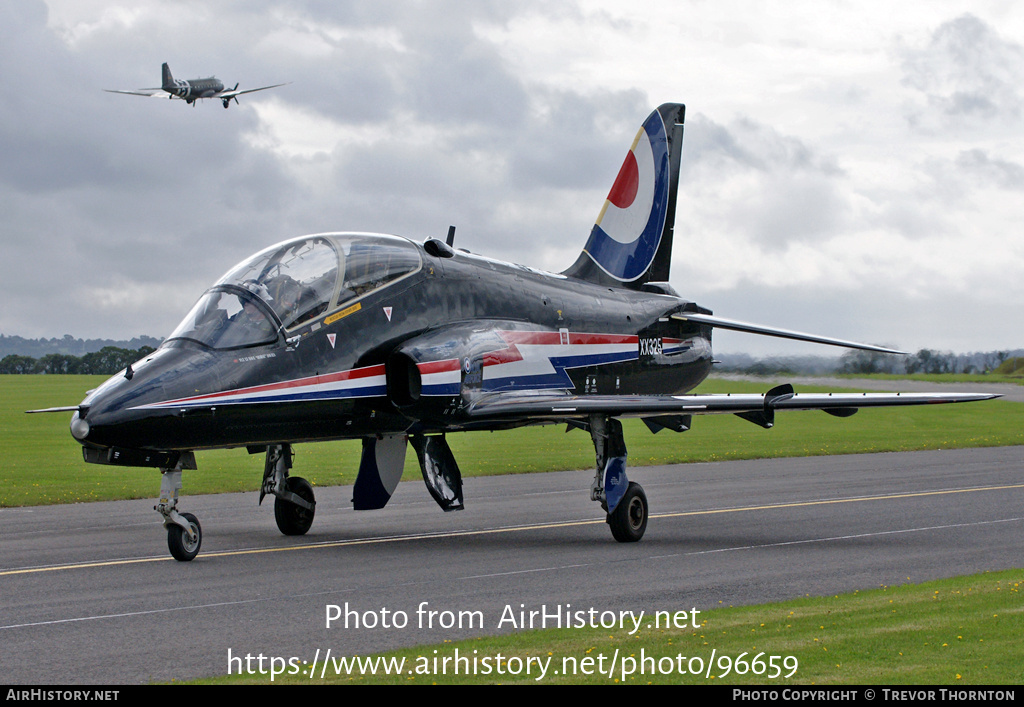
{"points": [[238, 92], [148, 92]]}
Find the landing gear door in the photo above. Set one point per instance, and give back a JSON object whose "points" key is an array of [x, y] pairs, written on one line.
{"points": [[380, 470], [440, 471]]}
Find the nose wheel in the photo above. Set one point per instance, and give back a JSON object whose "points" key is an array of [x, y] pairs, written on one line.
{"points": [[184, 544]]}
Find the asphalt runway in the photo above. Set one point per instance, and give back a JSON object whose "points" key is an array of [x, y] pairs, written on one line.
{"points": [[90, 595]]}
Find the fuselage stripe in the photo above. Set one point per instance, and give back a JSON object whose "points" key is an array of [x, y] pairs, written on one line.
{"points": [[532, 359], [355, 383]]}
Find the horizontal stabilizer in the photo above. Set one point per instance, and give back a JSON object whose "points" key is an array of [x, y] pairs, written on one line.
{"points": [[734, 325]]}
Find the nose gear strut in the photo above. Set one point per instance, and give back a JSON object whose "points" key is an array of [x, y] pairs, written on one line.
{"points": [[184, 534]]}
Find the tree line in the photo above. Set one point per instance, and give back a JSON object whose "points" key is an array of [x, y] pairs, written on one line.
{"points": [[924, 361], [107, 361], [67, 344]]}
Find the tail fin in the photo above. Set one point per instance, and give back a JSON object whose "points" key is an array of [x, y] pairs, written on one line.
{"points": [[168, 80], [631, 242]]}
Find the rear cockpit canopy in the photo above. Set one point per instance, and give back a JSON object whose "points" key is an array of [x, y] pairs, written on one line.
{"points": [[295, 283]]}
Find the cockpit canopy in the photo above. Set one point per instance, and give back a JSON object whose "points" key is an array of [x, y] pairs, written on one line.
{"points": [[293, 283]]}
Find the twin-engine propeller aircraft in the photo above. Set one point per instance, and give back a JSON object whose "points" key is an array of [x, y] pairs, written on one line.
{"points": [[191, 90], [379, 338]]}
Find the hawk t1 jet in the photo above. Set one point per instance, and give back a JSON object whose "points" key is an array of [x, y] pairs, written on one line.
{"points": [[192, 90], [397, 343]]}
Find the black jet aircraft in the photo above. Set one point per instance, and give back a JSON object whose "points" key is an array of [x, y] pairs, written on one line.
{"points": [[395, 342], [191, 90]]}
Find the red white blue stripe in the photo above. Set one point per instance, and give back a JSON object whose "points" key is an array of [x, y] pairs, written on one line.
{"points": [[365, 382], [534, 360], [531, 360]]}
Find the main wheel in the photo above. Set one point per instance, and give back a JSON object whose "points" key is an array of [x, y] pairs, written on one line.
{"points": [[293, 519], [183, 548], [629, 519]]}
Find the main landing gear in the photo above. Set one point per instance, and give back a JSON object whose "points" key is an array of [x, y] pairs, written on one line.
{"points": [[624, 501], [294, 501]]}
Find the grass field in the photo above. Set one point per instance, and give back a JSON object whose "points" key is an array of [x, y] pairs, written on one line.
{"points": [[956, 632], [44, 464], [953, 632]]}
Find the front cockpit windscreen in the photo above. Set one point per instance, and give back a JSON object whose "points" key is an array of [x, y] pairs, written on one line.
{"points": [[223, 319], [299, 281], [296, 279]]}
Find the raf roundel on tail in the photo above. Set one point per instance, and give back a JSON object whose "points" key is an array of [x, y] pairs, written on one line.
{"points": [[631, 241], [628, 230], [399, 343]]}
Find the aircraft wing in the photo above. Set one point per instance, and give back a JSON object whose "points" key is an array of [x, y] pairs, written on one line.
{"points": [[754, 407], [238, 92], [150, 92]]}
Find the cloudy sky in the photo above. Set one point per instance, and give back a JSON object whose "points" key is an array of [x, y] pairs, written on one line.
{"points": [[854, 169]]}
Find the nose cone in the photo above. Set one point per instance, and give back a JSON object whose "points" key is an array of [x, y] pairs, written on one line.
{"points": [[124, 411], [104, 417], [79, 428]]}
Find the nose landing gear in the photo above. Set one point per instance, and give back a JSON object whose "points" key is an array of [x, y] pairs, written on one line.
{"points": [[184, 534]]}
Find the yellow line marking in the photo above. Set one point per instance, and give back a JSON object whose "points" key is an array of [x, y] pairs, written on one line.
{"points": [[858, 499], [493, 531]]}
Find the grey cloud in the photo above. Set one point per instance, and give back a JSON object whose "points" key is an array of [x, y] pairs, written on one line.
{"points": [[567, 145], [753, 145], [967, 72], [788, 190], [1001, 173], [499, 186], [111, 191], [440, 70]]}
